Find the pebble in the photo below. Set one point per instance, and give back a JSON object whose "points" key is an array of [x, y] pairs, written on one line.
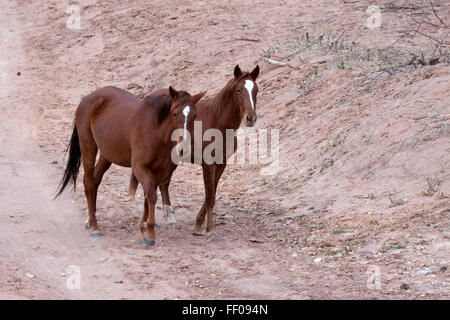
{"points": [[426, 271], [317, 260], [405, 286]]}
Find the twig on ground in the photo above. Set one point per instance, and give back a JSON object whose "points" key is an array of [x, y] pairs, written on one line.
{"points": [[247, 39]]}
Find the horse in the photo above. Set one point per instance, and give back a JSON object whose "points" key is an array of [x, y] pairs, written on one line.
{"points": [[130, 133], [225, 110]]}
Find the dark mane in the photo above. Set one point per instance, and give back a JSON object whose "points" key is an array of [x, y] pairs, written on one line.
{"points": [[224, 95], [162, 103]]}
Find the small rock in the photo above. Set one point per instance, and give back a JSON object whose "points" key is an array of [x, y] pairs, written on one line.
{"points": [[405, 286], [18, 73], [368, 249], [317, 260], [294, 255], [29, 275], [443, 269], [54, 162], [427, 271]]}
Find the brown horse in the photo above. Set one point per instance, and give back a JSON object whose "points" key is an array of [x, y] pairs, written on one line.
{"points": [[130, 133], [224, 111]]}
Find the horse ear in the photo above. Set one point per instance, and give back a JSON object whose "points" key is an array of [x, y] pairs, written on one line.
{"points": [[237, 71], [173, 92], [198, 96], [255, 73]]}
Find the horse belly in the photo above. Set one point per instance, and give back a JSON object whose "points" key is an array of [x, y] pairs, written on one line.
{"points": [[112, 143]]}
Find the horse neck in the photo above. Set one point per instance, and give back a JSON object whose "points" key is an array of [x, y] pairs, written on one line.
{"points": [[166, 129], [228, 115]]}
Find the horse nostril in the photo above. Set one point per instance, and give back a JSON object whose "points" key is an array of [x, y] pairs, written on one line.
{"points": [[248, 118], [255, 118]]}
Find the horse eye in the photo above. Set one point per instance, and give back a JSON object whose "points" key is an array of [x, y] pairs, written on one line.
{"points": [[174, 115], [238, 91]]}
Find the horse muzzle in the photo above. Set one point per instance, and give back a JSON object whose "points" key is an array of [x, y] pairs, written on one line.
{"points": [[250, 120], [183, 149]]}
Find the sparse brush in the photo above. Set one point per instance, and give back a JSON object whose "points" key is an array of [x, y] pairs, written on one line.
{"points": [[398, 202], [433, 186], [328, 163]]}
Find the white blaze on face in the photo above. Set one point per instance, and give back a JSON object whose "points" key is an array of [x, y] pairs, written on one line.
{"points": [[249, 84], [186, 111]]}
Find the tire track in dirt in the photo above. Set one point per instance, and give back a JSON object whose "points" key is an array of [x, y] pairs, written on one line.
{"points": [[40, 238]]}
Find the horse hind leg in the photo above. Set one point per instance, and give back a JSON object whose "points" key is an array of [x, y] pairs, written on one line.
{"points": [[199, 220], [92, 180], [88, 159]]}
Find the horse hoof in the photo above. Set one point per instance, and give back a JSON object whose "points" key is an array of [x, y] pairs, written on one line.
{"points": [[86, 226], [96, 234], [148, 242], [213, 237]]}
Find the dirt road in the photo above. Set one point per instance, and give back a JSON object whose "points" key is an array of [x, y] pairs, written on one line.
{"points": [[42, 238], [355, 160]]}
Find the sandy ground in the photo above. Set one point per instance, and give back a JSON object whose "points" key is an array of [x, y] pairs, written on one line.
{"points": [[360, 137]]}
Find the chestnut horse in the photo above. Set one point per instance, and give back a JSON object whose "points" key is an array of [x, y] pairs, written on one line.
{"points": [[224, 111], [130, 133]]}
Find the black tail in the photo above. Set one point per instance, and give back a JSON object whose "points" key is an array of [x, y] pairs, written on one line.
{"points": [[73, 164]]}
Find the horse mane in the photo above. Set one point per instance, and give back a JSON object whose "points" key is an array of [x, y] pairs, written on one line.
{"points": [[222, 99], [162, 103]]}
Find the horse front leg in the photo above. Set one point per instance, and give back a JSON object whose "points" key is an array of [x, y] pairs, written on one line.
{"points": [[210, 174], [210, 205], [146, 179], [167, 207], [144, 217]]}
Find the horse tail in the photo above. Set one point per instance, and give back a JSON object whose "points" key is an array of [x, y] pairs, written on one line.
{"points": [[133, 185], [73, 164]]}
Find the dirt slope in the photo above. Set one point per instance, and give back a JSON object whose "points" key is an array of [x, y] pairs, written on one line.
{"points": [[357, 147]]}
